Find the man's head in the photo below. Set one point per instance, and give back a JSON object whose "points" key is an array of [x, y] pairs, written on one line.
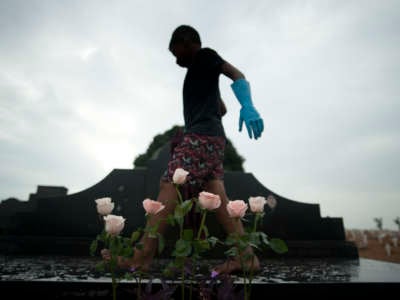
{"points": [[184, 43]]}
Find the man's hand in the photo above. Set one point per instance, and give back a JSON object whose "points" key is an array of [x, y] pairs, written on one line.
{"points": [[254, 123]]}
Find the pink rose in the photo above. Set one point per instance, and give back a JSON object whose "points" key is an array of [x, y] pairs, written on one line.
{"points": [[114, 224], [179, 176], [104, 206], [152, 207], [209, 201], [257, 204], [271, 201], [236, 208]]}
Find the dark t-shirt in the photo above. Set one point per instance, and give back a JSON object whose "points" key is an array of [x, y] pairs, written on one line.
{"points": [[201, 94]]}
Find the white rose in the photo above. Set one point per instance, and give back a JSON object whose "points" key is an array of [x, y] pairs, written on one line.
{"points": [[104, 206], [114, 224], [179, 176], [152, 207], [209, 201], [257, 204], [236, 208], [271, 201]]}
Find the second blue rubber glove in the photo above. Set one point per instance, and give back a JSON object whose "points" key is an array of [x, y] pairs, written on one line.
{"points": [[248, 113]]}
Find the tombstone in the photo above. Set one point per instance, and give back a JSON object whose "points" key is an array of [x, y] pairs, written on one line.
{"points": [[53, 222]]}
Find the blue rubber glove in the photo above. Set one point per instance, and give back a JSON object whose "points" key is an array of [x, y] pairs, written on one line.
{"points": [[248, 113]]}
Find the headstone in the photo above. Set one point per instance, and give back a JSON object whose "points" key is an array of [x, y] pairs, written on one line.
{"points": [[52, 221]]}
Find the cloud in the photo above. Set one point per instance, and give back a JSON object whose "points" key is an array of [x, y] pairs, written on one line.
{"points": [[84, 87]]}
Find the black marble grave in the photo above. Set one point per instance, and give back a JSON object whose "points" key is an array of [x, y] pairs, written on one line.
{"points": [[44, 243], [66, 277], [53, 222]]}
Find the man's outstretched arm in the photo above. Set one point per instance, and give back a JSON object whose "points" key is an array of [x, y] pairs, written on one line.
{"points": [[248, 113], [230, 71]]}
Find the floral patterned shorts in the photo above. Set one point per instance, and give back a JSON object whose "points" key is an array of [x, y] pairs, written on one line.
{"points": [[201, 155]]}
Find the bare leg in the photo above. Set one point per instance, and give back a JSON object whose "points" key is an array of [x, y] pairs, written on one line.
{"points": [[143, 258], [230, 226]]}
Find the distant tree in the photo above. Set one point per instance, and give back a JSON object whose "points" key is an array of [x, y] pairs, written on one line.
{"points": [[158, 141], [378, 222], [232, 160], [397, 222]]}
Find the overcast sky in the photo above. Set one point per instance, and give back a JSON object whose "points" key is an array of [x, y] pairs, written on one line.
{"points": [[85, 86]]}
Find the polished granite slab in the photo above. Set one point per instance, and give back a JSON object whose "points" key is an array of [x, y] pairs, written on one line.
{"points": [[284, 276]]}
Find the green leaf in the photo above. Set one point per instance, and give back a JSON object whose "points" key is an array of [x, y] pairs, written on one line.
{"points": [[254, 238], [264, 238], [187, 206], [179, 220], [243, 243], [135, 236], [178, 211], [168, 271], [182, 209], [152, 234], [152, 230], [93, 247], [230, 240], [103, 235], [232, 252], [187, 234], [278, 245], [247, 257], [170, 220], [201, 246], [127, 251], [182, 248], [126, 241], [254, 246], [161, 243], [178, 215], [213, 240]]}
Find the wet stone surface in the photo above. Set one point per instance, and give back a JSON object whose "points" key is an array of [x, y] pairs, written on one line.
{"points": [[65, 268]]}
